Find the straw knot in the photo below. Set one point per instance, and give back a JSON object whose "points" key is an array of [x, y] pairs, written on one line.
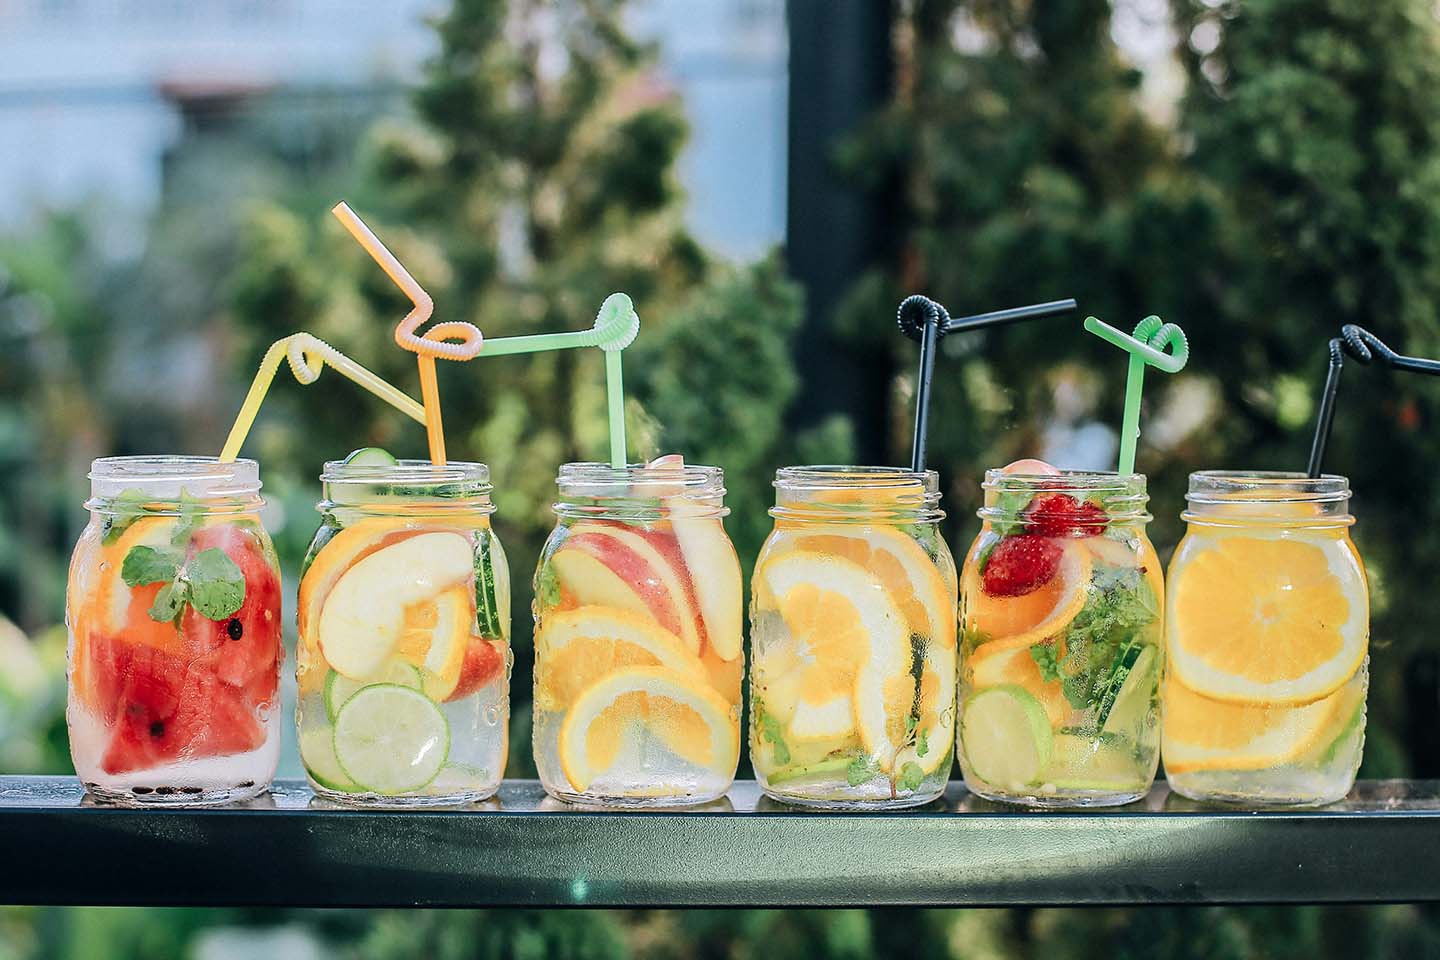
{"points": [[306, 355], [1363, 345], [916, 311], [616, 324], [1154, 332]]}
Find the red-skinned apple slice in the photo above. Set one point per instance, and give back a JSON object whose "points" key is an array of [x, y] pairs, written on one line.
{"points": [[612, 565], [713, 568]]}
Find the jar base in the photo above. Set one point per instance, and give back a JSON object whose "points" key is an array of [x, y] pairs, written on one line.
{"points": [[1060, 801], [1225, 791], [600, 801], [168, 796], [380, 801], [853, 804]]}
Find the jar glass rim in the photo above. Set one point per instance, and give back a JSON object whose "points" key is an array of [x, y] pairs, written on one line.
{"points": [[1266, 486], [837, 476], [695, 479], [169, 477], [410, 473]]}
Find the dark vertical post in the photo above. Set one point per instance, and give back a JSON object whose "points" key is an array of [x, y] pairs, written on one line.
{"points": [[840, 65]]}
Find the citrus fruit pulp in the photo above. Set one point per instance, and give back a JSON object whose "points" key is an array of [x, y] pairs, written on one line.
{"points": [[576, 648]]}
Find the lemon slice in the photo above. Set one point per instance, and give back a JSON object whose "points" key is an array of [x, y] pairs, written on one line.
{"points": [[902, 565], [575, 648], [847, 652], [1267, 620], [1009, 623], [1200, 734], [604, 734]]}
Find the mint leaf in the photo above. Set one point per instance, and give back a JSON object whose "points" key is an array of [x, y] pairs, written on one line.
{"points": [[547, 587], [1121, 609], [125, 508], [770, 730], [1045, 658], [217, 585], [1010, 504], [145, 565], [192, 509], [169, 602], [922, 743], [911, 776], [862, 768]]}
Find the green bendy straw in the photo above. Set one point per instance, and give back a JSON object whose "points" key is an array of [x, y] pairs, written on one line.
{"points": [[616, 326], [1145, 346]]}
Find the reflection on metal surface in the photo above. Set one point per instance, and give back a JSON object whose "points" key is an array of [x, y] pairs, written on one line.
{"points": [[524, 849]]}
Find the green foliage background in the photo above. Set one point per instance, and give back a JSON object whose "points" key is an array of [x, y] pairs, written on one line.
{"points": [[1295, 186]]}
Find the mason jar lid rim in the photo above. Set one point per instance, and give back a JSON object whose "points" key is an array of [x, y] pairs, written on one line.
{"points": [[408, 472], [1229, 486], [830, 476]]}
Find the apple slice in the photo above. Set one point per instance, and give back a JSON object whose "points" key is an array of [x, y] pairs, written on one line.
{"points": [[713, 569], [363, 618], [611, 565]]}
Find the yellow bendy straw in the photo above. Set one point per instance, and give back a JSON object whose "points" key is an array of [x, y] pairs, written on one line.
{"points": [[308, 355], [451, 340]]}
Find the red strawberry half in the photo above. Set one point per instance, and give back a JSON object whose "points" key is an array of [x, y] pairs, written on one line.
{"points": [[1061, 515], [1020, 565]]}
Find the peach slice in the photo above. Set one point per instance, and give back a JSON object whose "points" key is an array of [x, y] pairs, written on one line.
{"points": [[611, 565], [363, 619]]}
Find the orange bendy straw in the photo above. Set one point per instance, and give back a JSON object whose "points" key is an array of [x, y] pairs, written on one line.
{"points": [[451, 340]]}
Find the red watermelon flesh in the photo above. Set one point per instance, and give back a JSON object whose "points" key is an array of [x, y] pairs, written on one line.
{"points": [[244, 649]]}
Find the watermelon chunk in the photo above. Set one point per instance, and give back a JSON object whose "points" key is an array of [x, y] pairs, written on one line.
{"points": [[243, 650]]}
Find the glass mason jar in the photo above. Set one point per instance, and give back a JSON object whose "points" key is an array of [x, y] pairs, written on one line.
{"points": [[638, 653], [852, 689], [403, 662], [173, 610], [1266, 643], [1060, 602]]}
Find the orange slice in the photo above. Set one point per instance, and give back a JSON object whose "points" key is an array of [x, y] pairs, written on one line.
{"points": [[435, 635], [605, 733], [902, 565], [844, 663], [1200, 734], [1267, 619], [1018, 668], [1009, 623], [574, 649]]}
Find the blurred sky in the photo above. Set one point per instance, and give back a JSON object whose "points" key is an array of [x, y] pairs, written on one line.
{"points": [[87, 91]]}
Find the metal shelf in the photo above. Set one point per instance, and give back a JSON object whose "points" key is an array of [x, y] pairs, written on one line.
{"points": [[524, 849]]}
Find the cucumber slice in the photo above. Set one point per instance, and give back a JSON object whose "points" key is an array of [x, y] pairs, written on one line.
{"points": [[340, 688], [317, 752], [1006, 736], [1132, 702], [370, 457], [1084, 763], [391, 739], [487, 606]]}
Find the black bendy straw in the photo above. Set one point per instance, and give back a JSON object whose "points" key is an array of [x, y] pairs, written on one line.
{"points": [[1364, 348], [925, 321]]}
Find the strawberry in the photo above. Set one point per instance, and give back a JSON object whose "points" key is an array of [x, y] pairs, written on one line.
{"points": [[1021, 564], [1060, 515]]}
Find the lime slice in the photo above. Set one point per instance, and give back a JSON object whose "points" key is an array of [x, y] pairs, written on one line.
{"points": [[340, 688], [370, 457], [1131, 706], [317, 752], [1085, 763], [391, 739], [1006, 736]]}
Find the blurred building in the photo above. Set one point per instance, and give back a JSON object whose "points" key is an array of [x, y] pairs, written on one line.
{"points": [[94, 92]]}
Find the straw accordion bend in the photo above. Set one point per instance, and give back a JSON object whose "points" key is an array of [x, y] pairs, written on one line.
{"points": [[616, 325]]}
